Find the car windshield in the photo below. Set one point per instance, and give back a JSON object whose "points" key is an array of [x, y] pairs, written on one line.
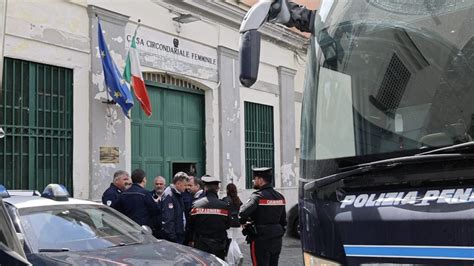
{"points": [[387, 78], [76, 228]]}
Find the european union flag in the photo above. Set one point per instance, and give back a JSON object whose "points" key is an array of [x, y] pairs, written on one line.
{"points": [[114, 82]]}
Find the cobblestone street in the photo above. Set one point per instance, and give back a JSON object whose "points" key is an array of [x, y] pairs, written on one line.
{"points": [[290, 253]]}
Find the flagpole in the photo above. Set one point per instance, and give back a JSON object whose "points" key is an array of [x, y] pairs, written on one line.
{"points": [[136, 30], [133, 75], [114, 82], [138, 26], [108, 102], [134, 36]]}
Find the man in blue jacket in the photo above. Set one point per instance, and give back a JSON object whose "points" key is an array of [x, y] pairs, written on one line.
{"points": [[197, 187], [119, 184], [137, 203], [173, 218]]}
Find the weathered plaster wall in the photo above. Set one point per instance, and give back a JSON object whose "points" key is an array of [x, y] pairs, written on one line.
{"points": [[266, 98], [157, 15], [230, 121], [287, 130], [221, 155], [157, 20], [290, 192], [108, 125], [300, 67], [68, 38], [63, 40]]}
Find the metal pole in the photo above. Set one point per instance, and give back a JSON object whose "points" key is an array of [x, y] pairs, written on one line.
{"points": [[3, 23]]}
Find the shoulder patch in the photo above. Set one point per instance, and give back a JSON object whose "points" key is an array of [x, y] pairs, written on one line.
{"points": [[267, 202], [109, 202]]}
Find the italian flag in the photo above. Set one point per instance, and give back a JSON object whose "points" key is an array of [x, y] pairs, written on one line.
{"points": [[133, 76]]}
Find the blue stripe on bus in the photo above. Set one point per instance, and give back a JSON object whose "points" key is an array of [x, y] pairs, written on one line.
{"points": [[421, 252]]}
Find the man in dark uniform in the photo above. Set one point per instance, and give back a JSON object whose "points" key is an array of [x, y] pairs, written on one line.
{"points": [[173, 217], [187, 196], [264, 219], [136, 202], [119, 184], [159, 187], [197, 188], [209, 221]]}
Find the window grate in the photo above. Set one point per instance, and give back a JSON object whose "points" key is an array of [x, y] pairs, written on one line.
{"points": [[36, 114], [393, 85], [259, 138], [170, 80]]}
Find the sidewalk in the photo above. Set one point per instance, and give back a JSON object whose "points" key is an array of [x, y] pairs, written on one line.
{"points": [[290, 253]]}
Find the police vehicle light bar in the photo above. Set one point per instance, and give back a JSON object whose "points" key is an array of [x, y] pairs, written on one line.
{"points": [[4, 192], [24, 193], [55, 192]]}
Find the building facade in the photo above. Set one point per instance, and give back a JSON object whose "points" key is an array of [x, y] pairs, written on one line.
{"points": [[61, 127]]}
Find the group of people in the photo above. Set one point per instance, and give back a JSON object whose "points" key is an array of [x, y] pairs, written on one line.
{"points": [[189, 211]]}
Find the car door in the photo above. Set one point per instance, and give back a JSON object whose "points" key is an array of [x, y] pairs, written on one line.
{"points": [[11, 252]]}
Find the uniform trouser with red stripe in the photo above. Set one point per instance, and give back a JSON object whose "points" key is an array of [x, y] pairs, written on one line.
{"points": [[265, 252]]}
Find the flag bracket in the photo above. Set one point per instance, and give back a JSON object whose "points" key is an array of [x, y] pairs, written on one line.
{"points": [[110, 102]]}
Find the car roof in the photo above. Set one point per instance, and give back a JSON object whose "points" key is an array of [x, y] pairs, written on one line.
{"points": [[20, 202]]}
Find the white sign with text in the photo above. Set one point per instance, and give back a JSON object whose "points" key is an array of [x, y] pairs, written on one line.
{"points": [[171, 53]]}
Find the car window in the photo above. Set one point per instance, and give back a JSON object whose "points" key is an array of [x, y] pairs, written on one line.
{"points": [[6, 229], [76, 228]]}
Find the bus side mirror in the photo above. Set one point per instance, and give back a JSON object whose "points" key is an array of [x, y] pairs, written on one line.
{"points": [[249, 57]]}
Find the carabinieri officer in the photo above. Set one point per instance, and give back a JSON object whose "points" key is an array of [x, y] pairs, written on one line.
{"points": [[264, 219], [209, 221]]}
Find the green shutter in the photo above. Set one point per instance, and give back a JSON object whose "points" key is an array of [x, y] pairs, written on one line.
{"points": [[259, 138], [36, 115]]}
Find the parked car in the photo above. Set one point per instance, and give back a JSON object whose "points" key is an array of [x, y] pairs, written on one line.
{"points": [[62, 230], [11, 252]]}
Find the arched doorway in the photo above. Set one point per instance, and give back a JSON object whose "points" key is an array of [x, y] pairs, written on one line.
{"points": [[173, 138]]}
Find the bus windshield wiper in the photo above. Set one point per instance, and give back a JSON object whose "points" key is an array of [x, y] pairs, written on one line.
{"points": [[122, 244], [384, 165], [458, 148], [53, 250]]}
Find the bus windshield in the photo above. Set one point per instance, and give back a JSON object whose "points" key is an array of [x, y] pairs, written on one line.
{"points": [[387, 78]]}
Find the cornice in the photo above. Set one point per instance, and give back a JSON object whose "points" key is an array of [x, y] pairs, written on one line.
{"points": [[107, 15], [286, 71], [227, 51], [232, 15], [266, 87]]}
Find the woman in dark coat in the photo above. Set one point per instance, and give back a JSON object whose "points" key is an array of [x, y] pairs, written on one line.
{"points": [[235, 256], [234, 202]]}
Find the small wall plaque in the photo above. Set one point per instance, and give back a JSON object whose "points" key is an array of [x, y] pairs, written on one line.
{"points": [[109, 154]]}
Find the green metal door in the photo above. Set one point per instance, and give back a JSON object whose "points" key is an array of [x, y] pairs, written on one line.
{"points": [[173, 134], [36, 115]]}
